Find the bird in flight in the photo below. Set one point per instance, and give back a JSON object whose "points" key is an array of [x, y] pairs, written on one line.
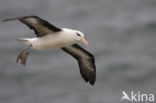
{"points": [[50, 37]]}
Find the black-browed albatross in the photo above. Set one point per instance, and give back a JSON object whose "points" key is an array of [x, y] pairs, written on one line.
{"points": [[49, 36]]}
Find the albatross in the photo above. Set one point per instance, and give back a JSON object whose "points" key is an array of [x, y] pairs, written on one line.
{"points": [[50, 37]]}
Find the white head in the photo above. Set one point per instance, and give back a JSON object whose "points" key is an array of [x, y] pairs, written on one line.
{"points": [[80, 37]]}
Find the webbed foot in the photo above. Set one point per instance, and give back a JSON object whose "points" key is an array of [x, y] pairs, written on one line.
{"points": [[23, 57]]}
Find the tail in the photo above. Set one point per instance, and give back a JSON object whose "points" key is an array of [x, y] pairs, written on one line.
{"points": [[24, 41]]}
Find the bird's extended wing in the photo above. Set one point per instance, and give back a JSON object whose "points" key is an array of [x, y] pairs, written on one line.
{"points": [[85, 60], [40, 26]]}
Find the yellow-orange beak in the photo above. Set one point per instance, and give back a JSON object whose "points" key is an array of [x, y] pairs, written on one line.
{"points": [[84, 41]]}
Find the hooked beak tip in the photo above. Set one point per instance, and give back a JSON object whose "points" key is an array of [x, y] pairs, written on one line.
{"points": [[87, 44], [84, 41]]}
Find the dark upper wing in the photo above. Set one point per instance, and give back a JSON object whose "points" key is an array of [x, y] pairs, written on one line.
{"points": [[85, 60], [40, 26]]}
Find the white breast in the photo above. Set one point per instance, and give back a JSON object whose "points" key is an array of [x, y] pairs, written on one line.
{"points": [[53, 41]]}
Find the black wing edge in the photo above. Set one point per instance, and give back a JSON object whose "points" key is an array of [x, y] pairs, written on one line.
{"points": [[86, 64], [18, 18], [31, 26]]}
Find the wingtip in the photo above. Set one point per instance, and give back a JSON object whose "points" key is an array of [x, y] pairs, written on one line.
{"points": [[9, 19], [5, 20], [89, 78], [92, 78], [92, 82], [17, 18]]}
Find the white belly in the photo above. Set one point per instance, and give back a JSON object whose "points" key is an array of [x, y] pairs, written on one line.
{"points": [[51, 42]]}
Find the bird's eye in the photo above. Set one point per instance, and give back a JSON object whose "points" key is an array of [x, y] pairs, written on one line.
{"points": [[78, 34]]}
